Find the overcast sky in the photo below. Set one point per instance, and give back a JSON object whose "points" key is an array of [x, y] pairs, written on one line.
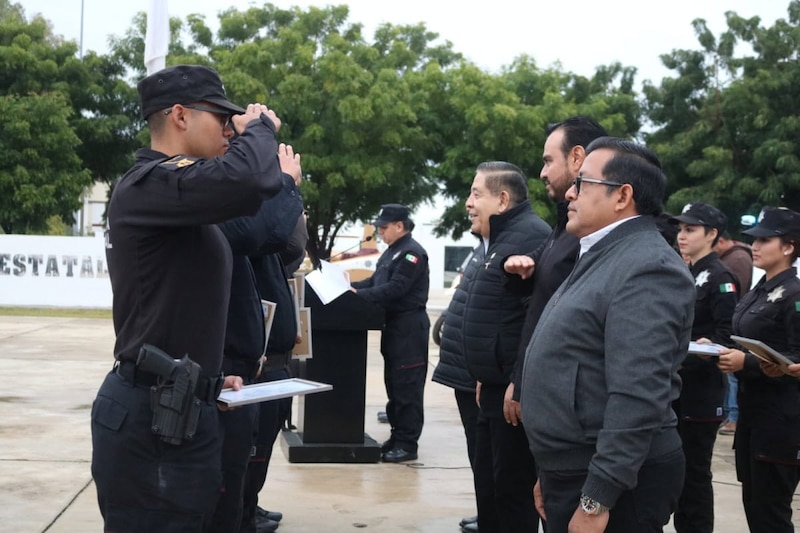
{"points": [[580, 34]]}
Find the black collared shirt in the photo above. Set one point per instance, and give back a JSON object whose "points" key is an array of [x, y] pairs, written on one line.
{"points": [[169, 264]]}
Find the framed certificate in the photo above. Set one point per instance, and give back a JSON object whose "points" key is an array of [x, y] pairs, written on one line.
{"points": [[764, 352], [271, 390]]}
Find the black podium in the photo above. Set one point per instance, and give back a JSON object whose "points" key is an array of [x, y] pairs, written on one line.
{"points": [[330, 426]]}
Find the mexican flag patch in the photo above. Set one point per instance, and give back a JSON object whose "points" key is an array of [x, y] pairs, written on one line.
{"points": [[727, 287], [412, 258]]}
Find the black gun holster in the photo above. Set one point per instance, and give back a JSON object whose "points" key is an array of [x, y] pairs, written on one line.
{"points": [[176, 407]]}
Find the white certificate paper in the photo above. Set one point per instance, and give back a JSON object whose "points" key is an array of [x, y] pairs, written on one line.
{"points": [[271, 390], [710, 349], [329, 281]]}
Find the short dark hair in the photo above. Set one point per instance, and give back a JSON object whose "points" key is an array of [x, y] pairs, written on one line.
{"points": [[156, 122], [707, 230], [503, 175], [578, 131], [408, 224], [638, 166]]}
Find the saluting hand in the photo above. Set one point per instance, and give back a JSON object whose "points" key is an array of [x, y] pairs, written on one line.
{"points": [[290, 162], [253, 112]]}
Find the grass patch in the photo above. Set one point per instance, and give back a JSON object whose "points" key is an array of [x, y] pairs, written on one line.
{"points": [[62, 312]]}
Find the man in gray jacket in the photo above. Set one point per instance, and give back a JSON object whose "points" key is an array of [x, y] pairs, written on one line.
{"points": [[603, 360]]}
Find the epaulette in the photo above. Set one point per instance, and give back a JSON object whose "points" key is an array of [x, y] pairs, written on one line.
{"points": [[178, 162]]}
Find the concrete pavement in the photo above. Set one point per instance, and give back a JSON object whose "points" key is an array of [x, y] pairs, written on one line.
{"points": [[53, 367]]}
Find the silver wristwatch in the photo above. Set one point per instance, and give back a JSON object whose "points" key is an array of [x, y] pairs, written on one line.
{"points": [[592, 507]]}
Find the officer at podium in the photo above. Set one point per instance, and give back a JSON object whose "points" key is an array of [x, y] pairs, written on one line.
{"points": [[400, 286]]}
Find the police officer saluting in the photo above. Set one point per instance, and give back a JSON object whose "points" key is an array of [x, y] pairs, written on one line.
{"points": [[156, 447], [400, 285]]}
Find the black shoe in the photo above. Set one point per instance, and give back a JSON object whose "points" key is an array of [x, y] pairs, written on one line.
{"points": [[398, 455], [265, 525], [383, 418], [387, 445], [271, 515], [470, 527], [468, 520]]}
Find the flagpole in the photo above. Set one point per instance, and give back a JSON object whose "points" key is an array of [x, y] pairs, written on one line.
{"points": [[156, 42], [80, 52]]}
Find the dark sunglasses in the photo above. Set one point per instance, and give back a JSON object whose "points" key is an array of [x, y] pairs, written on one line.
{"points": [[226, 123], [582, 179]]}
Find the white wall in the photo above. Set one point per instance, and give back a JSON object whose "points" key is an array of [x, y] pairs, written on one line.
{"points": [[46, 271], [54, 271], [425, 219]]}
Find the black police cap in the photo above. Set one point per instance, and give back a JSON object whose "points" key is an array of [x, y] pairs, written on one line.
{"points": [[776, 221], [392, 213], [183, 84], [700, 214]]}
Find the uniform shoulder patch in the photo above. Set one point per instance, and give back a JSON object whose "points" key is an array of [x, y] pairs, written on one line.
{"points": [[411, 258], [797, 306], [178, 162], [727, 287]]}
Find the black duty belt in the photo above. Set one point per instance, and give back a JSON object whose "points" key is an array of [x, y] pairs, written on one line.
{"points": [[207, 388], [276, 361]]}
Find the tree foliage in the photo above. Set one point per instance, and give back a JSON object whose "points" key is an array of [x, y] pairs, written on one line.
{"points": [[64, 122], [40, 174], [728, 122], [350, 107], [400, 116], [481, 117]]}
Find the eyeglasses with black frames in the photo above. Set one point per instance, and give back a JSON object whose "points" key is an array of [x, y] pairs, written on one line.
{"points": [[223, 115], [583, 179]]}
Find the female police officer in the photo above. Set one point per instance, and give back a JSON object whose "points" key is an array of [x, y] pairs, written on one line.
{"points": [[699, 407], [767, 440]]}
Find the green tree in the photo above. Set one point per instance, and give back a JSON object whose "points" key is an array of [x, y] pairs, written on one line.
{"points": [[482, 117], [350, 107], [727, 125], [400, 118], [66, 122], [40, 172]]}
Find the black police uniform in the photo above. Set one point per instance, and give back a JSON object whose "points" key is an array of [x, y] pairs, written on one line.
{"points": [[245, 340], [270, 276], [170, 269], [400, 285], [699, 407], [767, 440]]}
